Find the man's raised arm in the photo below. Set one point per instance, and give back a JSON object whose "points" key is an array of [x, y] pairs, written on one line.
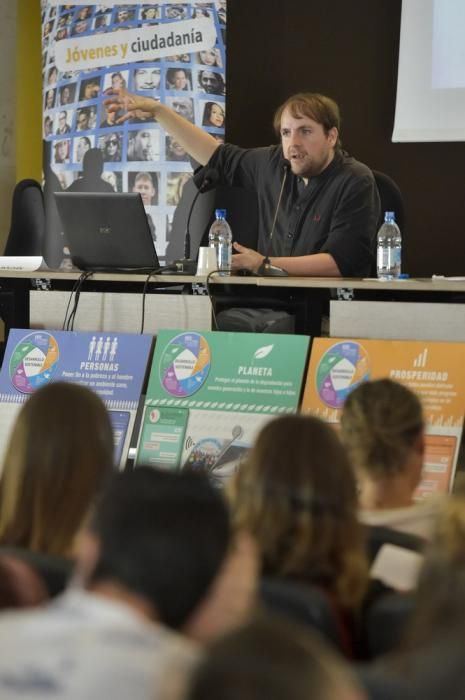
{"points": [[198, 143]]}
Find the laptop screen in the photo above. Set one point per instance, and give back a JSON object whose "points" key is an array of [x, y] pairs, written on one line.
{"points": [[107, 231]]}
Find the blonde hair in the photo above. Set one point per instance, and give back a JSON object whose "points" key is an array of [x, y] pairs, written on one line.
{"points": [[441, 585], [296, 495], [380, 422], [59, 453]]}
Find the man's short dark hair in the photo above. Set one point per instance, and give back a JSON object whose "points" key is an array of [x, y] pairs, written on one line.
{"points": [[320, 108], [163, 535]]}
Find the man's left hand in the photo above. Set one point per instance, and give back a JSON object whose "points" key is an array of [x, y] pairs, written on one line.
{"points": [[246, 258]]}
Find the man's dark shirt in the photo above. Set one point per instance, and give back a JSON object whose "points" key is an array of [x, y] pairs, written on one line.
{"points": [[337, 212]]}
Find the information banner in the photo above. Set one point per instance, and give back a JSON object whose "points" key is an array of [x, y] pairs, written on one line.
{"points": [[434, 371], [172, 51], [113, 365], [210, 393]]}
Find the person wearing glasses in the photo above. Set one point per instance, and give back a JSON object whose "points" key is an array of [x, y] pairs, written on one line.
{"points": [[112, 148], [63, 126]]}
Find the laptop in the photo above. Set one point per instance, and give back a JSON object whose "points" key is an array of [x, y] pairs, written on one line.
{"points": [[107, 231]]}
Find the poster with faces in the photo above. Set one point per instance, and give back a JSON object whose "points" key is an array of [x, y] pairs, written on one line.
{"points": [[173, 51]]}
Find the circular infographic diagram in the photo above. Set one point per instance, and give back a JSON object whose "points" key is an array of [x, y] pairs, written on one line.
{"points": [[343, 367], [33, 362], [185, 364]]}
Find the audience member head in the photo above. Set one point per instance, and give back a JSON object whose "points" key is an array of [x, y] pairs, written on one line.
{"points": [[160, 535], [92, 164], [296, 495], [274, 659], [382, 428], [440, 591], [59, 453]]}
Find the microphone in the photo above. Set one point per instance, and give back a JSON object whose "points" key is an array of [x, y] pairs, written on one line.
{"points": [[204, 181], [266, 269]]}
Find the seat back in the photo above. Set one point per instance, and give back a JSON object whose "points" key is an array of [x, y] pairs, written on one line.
{"points": [[54, 571], [27, 229], [241, 213], [386, 621], [305, 604], [391, 198]]}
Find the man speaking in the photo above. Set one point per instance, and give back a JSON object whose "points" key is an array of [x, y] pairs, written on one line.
{"points": [[329, 206]]}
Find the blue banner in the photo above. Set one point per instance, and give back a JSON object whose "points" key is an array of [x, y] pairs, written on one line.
{"points": [[173, 51], [111, 364]]}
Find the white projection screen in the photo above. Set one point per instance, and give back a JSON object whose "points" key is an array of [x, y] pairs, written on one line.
{"points": [[430, 103]]}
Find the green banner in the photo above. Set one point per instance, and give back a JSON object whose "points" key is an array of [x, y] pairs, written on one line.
{"points": [[209, 394]]}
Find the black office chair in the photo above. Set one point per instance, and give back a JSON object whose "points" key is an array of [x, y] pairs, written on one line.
{"points": [[26, 237], [54, 571], [385, 622], [391, 198], [27, 229], [305, 604], [242, 215]]}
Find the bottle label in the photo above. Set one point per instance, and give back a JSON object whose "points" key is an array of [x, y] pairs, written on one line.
{"points": [[388, 261], [224, 257]]}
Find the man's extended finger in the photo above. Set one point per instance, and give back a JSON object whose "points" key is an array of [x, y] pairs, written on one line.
{"points": [[123, 119]]}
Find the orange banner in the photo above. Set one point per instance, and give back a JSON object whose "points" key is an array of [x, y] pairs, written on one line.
{"points": [[434, 371]]}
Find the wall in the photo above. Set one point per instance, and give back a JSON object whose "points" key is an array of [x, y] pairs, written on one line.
{"points": [[29, 91], [7, 114], [20, 111], [348, 50]]}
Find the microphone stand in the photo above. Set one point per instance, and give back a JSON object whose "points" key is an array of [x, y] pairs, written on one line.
{"points": [[188, 265], [266, 269]]}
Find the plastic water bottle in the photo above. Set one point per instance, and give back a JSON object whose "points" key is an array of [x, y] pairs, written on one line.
{"points": [[389, 248], [220, 238]]}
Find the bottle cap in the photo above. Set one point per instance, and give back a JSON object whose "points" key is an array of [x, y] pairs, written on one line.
{"points": [[389, 217], [403, 276], [220, 213]]}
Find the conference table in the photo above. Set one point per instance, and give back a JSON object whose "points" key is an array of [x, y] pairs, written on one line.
{"points": [[430, 309]]}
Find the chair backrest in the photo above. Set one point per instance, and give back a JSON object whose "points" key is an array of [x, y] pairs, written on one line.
{"points": [[242, 216], [53, 570], [27, 230], [305, 604], [386, 621], [20, 585], [391, 198]]}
